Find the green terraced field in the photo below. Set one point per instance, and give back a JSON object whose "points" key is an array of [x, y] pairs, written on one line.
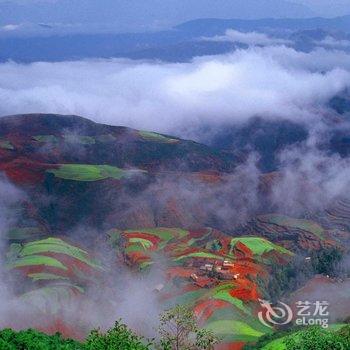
{"points": [[46, 277], [152, 136], [301, 224], [87, 172], [165, 234], [231, 318], [143, 242], [225, 296], [234, 313], [55, 245], [204, 255], [5, 144], [68, 138], [36, 260], [231, 330], [189, 298], [135, 248], [46, 138], [37, 254], [258, 245]]}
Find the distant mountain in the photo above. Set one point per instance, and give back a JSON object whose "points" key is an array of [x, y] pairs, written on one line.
{"points": [[168, 46], [140, 14], [180, 44], [214, 26]]}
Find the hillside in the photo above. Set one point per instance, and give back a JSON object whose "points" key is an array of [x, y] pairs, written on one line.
{"points": [[99, 205]]}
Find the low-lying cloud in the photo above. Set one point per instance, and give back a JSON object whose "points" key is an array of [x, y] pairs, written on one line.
{"points": [[331, 42], [249, 38], [25, 305], [272, 82]]}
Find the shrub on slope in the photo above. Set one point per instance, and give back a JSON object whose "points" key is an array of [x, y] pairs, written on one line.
{"points": [[311, 338], [35, 340], [118, 337]]}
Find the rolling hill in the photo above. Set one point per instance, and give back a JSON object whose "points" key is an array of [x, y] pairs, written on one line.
{"points": [[149, 202]]}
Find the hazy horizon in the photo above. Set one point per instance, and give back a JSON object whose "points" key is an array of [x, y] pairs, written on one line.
{"points": [[156, 14]]}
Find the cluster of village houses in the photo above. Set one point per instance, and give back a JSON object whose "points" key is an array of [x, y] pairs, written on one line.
{"points": [[210, 273]]}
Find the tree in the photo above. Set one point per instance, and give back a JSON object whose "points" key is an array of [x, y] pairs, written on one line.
{"points": [[34, 340], [301, 338], [327, 261], [179, 331], [205, 339], [316, 338], [118, 337], [290, 277]]}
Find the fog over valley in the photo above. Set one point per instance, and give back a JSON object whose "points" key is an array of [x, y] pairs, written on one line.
{"points": [[174, 175]]}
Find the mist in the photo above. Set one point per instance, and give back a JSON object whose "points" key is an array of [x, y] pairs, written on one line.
{"points": [[97, 307], [271, 82], [268, 79]]}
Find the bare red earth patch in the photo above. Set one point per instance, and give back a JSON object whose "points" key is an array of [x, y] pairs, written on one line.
{"points": [[206, 308], [230, 346], [24, 171]]}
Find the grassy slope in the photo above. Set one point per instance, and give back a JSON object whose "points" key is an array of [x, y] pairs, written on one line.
{"points": [[87, 172], [152, 136], [258, 245]]}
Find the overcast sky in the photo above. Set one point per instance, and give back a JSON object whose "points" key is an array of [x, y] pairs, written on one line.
{"points": [[328, 7], [324, 7]]}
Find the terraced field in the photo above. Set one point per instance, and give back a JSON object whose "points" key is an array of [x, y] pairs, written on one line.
{"points": [[292, 233], [207, 270], [152, 136], [87, 172], [303, 225], [73, 172], [91, 140], [258, 245], [52, 139], [58, 271], [339, 214]]}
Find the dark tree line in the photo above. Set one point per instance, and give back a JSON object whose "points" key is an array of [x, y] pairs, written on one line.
{"points": [[290, 277]]}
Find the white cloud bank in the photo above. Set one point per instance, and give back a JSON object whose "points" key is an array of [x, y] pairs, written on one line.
{"points": [[248, 38], [331, 42], [274, 82], [10, 27]]}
